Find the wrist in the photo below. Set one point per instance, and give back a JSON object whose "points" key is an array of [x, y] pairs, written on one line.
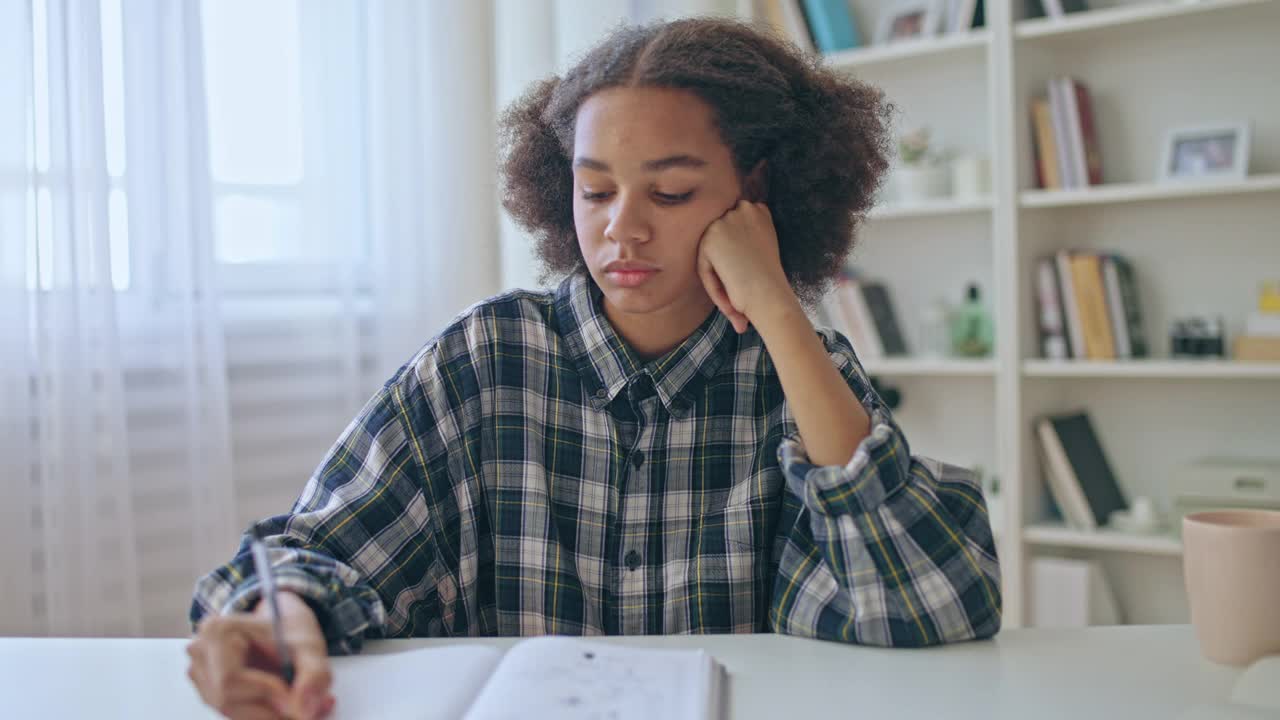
{"points": [[777, 309]]}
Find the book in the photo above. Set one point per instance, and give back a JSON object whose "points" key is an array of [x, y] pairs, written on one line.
{"points": [[1086, 277], [1051, 322], [1061, 133], [1068, 498], [861, 327], [961, 15], [1046, 148], [1087, 135], [1080, 170], [876, 297], [1138, 347], [1076, 459], [831, 24], [552, 676], [1115, 308], [1075, 337], [1053, 8], [787, 18]]}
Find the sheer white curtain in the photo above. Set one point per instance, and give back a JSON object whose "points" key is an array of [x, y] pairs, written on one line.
{"points": [[183, 331], [107, 250]]}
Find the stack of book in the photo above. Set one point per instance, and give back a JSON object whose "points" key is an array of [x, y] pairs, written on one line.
{"points": [[1261, 339], [1088, 307], [827, 26], [1077, 472], [863, 311], [1066, 142]]}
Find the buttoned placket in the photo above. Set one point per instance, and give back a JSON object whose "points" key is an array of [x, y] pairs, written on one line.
{"points": [[635, 574]]}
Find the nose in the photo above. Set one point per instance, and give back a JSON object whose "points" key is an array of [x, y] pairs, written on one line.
{"points": [[628, 220]]}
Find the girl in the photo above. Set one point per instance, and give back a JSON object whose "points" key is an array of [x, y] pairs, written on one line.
{"points": [[663, 444]]}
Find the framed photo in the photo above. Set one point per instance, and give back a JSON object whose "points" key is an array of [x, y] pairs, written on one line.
{"points": [[908, 20], [1206, 152]]}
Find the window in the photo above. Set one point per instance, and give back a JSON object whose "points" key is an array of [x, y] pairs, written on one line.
{"points": [[42, 267], [283, 82]]}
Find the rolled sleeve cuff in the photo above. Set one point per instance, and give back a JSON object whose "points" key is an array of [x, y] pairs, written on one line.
{"points": [[879, 468], [342, 617]]}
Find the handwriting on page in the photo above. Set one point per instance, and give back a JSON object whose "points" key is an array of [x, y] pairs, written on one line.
{"points": [[562, 678]]}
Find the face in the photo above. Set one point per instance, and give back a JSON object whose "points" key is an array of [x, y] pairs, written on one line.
{"points": [[650, 173]]}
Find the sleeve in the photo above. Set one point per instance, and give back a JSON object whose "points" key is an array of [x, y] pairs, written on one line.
{"points": [[359, 539], [888, 549]]}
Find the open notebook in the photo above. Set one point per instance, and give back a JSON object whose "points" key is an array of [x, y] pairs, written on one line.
{"points": [[546, 677], [1254, 696]]}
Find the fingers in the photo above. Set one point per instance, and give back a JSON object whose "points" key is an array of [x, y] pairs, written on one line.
{"points": [[715, 289], [251, 711], [220, 654], [312, 682]]}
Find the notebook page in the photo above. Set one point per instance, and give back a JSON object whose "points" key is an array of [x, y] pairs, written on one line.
{"points": [[559, 677], [437, 683], [1259, 685]]}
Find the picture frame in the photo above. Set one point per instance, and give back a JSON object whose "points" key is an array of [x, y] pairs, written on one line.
{"points": [[908, 20], [1205, 152]]}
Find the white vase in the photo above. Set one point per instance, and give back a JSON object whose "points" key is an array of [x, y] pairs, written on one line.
{"points": [[970, 177], [914, 184]]}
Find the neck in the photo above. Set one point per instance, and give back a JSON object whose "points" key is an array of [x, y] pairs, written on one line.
{"points": [[654, 334]]}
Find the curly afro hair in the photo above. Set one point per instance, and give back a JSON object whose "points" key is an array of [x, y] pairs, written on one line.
{"points": [[825, 136]]}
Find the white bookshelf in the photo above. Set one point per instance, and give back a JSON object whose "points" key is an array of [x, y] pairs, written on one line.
{"points": [[901, 211], [1150, 66], [1152, 369], [1105, 18], [1138, 192], [1058, 535], [929, 367], [950, 44]]}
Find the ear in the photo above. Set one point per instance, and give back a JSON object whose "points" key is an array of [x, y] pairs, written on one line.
{"points": [[755, 187]]}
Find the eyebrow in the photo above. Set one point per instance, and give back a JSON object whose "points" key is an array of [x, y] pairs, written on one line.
{"points": [[685, 161]]}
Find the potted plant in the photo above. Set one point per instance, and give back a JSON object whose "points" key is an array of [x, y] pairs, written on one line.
{"points": [[921, 173]]}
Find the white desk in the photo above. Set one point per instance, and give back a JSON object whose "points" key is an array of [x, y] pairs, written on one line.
{"points": [[1123, 672]]}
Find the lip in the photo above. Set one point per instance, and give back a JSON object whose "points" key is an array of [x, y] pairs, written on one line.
{"points": [[629, 273], [629, 266]]}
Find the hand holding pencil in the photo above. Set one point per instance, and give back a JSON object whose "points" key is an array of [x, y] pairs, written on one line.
{"points": [[267, 664]]}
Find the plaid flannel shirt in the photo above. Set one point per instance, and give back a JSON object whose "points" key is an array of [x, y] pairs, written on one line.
{"points": [[527, 473]]}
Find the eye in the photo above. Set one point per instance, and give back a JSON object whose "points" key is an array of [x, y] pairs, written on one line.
{"points": [[667, 199], [594, 196]]}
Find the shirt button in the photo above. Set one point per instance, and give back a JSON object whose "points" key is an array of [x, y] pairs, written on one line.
{"points": [[632, 560], [637, 459], [602, 394]]}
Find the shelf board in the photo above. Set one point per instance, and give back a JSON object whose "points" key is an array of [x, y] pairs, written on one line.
{"points": [[930, 208], [929, 367], [876, 54], [1117, 16], [1151, 369], [1058, 535], [1136, 192]]}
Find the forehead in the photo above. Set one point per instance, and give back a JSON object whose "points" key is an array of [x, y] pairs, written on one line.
{"points": [[646, 123]]}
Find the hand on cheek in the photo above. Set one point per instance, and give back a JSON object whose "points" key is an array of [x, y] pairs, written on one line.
{"points": [[740, 265]]}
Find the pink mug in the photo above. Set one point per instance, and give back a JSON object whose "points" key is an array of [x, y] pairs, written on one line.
{"points": [[1231, 563]]}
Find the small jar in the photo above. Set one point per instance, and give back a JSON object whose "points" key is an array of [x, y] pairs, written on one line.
{"points": [[934, 328]]}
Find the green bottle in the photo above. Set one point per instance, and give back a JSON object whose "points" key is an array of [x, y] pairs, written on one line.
{"points": [[972, 332]]}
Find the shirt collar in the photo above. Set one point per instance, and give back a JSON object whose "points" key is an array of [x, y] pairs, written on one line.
{"points": [[607, 364]]}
